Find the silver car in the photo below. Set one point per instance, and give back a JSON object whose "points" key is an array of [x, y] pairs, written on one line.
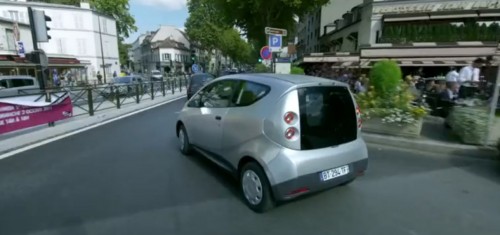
{"points": [[282, 136]]}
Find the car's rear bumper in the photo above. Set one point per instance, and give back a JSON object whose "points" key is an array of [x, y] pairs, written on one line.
{"points": [[312, 182]]}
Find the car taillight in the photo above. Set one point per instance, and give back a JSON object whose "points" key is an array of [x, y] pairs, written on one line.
{"points": [[290, 133], [358, 115], [290, 117]]}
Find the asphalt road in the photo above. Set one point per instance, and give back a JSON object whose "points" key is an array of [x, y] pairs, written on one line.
{"points": [[127, 177]]}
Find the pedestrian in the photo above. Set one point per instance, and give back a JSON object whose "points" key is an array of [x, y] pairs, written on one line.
{"points": [[55, 78], [452, 75], [115, 74], [99, 77]]}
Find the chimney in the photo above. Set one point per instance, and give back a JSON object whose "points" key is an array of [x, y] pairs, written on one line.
{"points": [[84, 4]]}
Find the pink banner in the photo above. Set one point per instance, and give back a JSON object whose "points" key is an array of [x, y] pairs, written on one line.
{"points": [[15, 117]]}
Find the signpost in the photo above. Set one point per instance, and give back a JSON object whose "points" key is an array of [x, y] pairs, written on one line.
{"points": [[276, 31], [265, 53], [275, 40]]}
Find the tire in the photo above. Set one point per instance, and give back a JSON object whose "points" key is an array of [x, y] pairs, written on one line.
{"points": [[252, 177], [184, 145]]}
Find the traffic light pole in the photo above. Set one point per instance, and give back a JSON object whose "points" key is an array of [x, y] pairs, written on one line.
{"points": [[42, 77]]}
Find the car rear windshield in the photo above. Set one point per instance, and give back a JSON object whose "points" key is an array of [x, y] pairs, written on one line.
{"points": [[200, 79], [327, 117]]}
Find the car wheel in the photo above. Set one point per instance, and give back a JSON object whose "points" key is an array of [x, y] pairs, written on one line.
{"points": [[255, 188], [184, 144]]}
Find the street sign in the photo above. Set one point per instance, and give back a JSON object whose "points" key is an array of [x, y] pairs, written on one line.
{"points": [[195, 68], [275, 43], [265, 53], [276, 31]]}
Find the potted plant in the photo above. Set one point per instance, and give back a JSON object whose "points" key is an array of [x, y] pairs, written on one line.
{"points": [[387, 105]]}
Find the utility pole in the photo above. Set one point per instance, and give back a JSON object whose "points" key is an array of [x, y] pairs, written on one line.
{"points": [[102, 48]]}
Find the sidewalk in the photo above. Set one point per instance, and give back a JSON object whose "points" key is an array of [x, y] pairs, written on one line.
{"points": [[16, 140], [435, 138]]}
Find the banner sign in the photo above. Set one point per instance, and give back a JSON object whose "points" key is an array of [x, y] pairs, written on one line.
{"points": [[18, 113]]}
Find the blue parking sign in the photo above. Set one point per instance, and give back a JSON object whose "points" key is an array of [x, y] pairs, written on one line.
{"points": [[275, 42]]}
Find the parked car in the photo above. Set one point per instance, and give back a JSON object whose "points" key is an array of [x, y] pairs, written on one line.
{"points": [[281, 135], [18, 85], [124, 85], [197, 81], [156, 75]]}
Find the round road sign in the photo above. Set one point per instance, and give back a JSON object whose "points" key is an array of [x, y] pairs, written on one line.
{"points": [[265, 53]]}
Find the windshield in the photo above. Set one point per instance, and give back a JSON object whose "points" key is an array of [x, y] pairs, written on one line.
{"points": [[201, 79]]}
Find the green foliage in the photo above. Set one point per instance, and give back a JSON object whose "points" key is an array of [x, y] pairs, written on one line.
{"points": [[261, 68], [297, 70], [440, 32], [123, 50], [210, 30], [254, 16], [385, 77], [388, 97], [470, 123]]}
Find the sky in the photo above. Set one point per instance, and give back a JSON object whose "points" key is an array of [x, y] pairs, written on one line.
{"points": [[150, 14]]}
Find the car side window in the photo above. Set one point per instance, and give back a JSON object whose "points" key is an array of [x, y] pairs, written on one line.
{"points": [[215, 95], [4, 84], [21, 82], [250, 93]]}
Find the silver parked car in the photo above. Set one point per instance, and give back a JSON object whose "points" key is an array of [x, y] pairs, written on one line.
{"points": [[282, 136]]}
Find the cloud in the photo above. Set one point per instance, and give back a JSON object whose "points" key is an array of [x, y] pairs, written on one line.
{"points": [[168, 4]]}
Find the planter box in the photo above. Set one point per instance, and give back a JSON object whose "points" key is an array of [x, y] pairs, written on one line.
{"points": [[375, 125], [471, 125]]}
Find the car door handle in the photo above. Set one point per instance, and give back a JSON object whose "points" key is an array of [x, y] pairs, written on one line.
{"points": [[218, 117]]}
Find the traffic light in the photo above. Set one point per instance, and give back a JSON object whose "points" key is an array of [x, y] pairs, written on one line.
{"points": [[260, 60], [40, 25], [193, 56]]}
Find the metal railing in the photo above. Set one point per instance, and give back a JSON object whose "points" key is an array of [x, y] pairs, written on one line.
{"points": [[89, 99]]}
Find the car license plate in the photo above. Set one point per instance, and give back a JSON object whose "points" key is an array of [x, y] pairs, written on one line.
{"points": [[334, 173]]}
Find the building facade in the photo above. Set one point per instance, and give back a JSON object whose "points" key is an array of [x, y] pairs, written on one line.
{"points": [[424, 33], [76, 32], [166, 49], [314, 25]]}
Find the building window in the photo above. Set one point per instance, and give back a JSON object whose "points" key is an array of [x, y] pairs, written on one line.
{"points": [[166, 56], [104, 26], [61, 46], [82, 46], [14, 15], [10, 39], [78, 21]]}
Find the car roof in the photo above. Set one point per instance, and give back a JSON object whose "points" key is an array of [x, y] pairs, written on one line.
{"points": [[16, 77], [284, 80]]}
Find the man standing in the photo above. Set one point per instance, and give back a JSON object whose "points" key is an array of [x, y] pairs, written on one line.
{"points": [[471, 72]]}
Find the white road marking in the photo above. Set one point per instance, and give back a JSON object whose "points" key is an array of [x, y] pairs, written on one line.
{"points": [[50, 140]]}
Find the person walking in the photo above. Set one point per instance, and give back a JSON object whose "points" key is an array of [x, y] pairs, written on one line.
{"points": [[99, 77]]}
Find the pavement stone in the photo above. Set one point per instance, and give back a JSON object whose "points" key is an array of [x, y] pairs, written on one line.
{"points": [[15, 140]]}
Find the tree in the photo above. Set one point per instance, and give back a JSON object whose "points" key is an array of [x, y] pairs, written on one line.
{"points": [[254, 16], [204, 24], [123, 50]]}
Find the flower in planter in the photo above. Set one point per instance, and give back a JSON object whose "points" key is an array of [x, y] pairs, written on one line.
{"points": [[388, 97]]}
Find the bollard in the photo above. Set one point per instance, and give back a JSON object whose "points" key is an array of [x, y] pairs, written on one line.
{"points": [[90, 101], [180, 84], [137, 98], [173, 86], [163, 88], [152, 85], [117, 95]]}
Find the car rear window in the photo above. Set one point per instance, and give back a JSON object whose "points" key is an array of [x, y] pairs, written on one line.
{"points": [[327, 117], [201, 79]]}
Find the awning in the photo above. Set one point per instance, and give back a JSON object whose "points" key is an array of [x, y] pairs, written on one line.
{"points": [[12, 64], [423, 62], [330, 58]]}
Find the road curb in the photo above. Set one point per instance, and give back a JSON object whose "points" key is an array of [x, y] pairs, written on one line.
{"points": [[91, 122], [430, 146]]}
